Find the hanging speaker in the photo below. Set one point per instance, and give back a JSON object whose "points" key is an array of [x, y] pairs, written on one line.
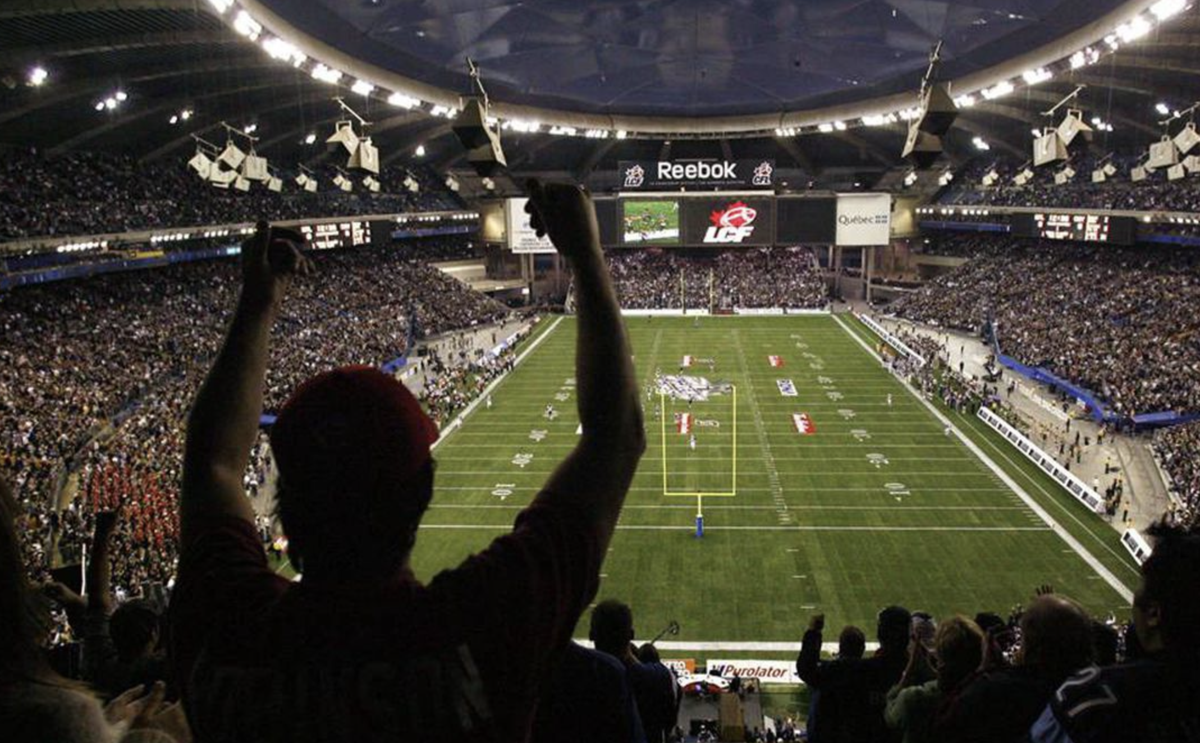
{"points": [[1163, 154], [1048, 148], [241, 183], [201, 164], [922, 149], [1138, 174], [365, 157], [343, 137], [232, 156], [1176, 172], [310, 185], [1187, 138], [274, 184], [1073, 129], [254, 168], [938, 110], [221, 178]]}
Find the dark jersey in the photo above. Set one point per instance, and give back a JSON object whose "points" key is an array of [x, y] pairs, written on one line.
{"points": [[1149, 701]]}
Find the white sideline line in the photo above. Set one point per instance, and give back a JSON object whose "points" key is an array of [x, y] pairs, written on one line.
{"points": [[733, 645], [457, 424], [668, 507], [1034, 506], [689, 528]]}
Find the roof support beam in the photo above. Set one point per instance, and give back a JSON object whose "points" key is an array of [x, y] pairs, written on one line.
{"points": [[27, 8]]}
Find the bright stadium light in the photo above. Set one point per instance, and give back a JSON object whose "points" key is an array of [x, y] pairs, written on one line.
{"points": [[221, 5], [1165, 9], [362, 87], [247, 26], [1163, 109], [38, 76], [121, 96], [326, 74], [420, 151], [310, 139], [400, 100], [981, 144]]}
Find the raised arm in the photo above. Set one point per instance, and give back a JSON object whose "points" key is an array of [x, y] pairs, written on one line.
{"points": [[597, 474], [224, 420], [99, 569]]}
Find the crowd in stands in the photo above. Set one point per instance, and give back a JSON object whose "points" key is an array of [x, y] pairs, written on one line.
{"points": [[751, 277], [96, 377], [1103, 317], [92, 193], [1155, 194], [1178, 450]]}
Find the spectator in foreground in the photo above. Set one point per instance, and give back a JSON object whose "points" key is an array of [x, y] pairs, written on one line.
{"points": [[360, 650], [853, 692], [1000, 704], [39, 706], [957, 653], [653, 684], [587, 699], [1155, 699]]}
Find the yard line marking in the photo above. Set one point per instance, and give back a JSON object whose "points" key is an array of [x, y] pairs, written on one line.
{"points": [[448, 430], [735, 646], [1034, 506], [793, 527]]}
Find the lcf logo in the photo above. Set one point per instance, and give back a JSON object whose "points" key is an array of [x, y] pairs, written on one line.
{"points": [[732, 225]]}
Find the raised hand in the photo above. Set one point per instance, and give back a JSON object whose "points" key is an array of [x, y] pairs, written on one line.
{"points": [[270, 258], [565, 213]]}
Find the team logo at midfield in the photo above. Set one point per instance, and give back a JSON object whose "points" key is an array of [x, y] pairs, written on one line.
{"points": [[804, 425], [692, 389], [733, 225], [776, 361], [635, 176], [762, 174], [787, 387]]}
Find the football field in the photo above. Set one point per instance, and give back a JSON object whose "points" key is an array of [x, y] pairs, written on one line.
{"points": [[826, 485]]}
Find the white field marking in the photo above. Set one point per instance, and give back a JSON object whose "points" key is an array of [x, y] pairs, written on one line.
{"points": [[649, 472], [545, 445], [487, 391], [1062, 508], [673, 507], [793, 528], [771, 647], [807, 491], [1033, 505]]}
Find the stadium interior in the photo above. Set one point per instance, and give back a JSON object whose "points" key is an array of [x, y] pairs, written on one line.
{"points": [[907, 293]]}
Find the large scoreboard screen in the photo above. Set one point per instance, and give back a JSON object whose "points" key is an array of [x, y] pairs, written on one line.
{"points": [[1095, 228], [336, 235], [650, 222]]}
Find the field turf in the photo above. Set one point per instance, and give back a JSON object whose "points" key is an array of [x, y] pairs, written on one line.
{"points": [[880, 505]]}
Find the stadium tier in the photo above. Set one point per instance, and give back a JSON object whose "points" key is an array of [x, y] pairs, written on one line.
{"points": [[605, 372]]}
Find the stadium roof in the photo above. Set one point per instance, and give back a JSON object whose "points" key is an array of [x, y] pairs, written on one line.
{"points": [[728, 73]]}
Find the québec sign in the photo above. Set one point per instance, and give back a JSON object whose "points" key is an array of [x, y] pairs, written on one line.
{"points": [[665, 174]]}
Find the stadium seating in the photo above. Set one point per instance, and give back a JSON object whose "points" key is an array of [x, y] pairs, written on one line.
{"points": [[99, 374], [94, 193], [1103, 317]]}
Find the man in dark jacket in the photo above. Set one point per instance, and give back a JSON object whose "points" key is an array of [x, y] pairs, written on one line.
{"points": [[854, 692]]}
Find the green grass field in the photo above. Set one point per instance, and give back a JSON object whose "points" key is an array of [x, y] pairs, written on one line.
{"points": [[652, 222], [880, 505]]}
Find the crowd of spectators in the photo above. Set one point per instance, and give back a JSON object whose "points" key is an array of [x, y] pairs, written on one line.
{"points": [[1155, 194], [652, 278], [1103, 317], [92, 193], [1177, 449], [96, 377]]}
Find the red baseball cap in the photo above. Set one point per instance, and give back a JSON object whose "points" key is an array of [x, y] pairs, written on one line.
{"points": [[353, 431]]}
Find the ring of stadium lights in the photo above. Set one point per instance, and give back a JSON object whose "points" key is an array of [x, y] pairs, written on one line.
{"points": [[1085, 47]]}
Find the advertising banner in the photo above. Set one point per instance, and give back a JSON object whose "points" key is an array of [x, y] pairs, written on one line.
{"points": [[521, 236], [655, 175], [864, 220], [766, 671], [729, 221]]}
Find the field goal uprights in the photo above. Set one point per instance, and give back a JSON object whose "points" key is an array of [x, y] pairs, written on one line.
{"points": [[699, 495]]}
